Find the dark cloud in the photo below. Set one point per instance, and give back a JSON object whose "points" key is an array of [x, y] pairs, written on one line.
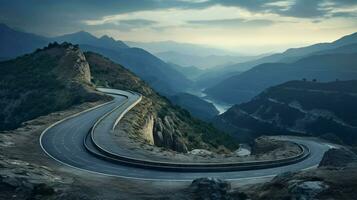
{"points": [[53, 17]]}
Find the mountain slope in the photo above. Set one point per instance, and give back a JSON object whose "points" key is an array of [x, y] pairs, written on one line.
{"points": [[155, 117], [83, 37], [328, 110], [196, 106], [243, 87], [48, 80], [289, 56], [15, 43], [159, 75]]}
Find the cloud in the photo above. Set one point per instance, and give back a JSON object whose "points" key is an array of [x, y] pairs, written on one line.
{"points": [[236, 22]]}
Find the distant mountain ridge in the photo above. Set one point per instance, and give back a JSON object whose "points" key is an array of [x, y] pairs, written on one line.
{"points": [[289, 56], [15, 43], [325, 67], [164, 78]]}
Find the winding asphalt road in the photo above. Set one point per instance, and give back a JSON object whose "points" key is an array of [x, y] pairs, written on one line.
{"points": [[63, 141]]}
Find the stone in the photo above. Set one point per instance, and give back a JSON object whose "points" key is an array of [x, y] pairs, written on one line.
{"points": [[209, 189], [306, 190]]}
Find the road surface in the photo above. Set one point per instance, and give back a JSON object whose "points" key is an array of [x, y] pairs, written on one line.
{"points": [[63, 141]]}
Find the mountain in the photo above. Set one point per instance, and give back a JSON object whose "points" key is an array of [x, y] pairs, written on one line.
{"points": [[326, 67], [181, 48], [83, 37], [157, 73], [190, 72], [196, 106], [170, 126], [289, 56], [160, 75], [203, 62], [15, 43], [48, 80], [326, 110]]}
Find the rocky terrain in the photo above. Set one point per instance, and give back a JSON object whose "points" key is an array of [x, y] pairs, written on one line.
{"points": [[327, 110], [334, 179]]}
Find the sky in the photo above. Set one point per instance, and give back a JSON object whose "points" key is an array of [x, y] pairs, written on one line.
{"points": [[247, 26]]}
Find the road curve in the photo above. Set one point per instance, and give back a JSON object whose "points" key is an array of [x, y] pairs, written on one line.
{"points": [[63, 141]]}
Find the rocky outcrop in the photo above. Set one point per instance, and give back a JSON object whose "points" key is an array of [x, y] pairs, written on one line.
{"points": [[212, 189], [148, 129], [341, 157], [23, 180], [304, 190], [53, 78], [209, 188], [167, 135]]}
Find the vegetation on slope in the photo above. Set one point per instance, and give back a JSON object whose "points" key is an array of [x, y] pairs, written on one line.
{"points": [[327, 110], [45, 81]]}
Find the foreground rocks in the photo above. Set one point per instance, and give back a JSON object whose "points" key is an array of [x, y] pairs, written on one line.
{"points": [[336, 178], [210, 189], [341, 157]]}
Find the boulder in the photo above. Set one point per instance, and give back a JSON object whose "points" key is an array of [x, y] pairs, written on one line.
{"points": [[306, 190], [209, 189], [338, 158]]}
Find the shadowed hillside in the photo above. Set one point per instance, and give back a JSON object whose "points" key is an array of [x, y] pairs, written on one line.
{"points": [[51, 79], [328, 110]]}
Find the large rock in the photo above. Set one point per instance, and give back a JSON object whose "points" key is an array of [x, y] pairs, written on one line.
{"points": [[213, 189], [306, 190], [166, 135], [209, 188], [338, 158]]}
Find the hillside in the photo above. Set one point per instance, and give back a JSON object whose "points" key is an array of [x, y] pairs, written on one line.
{"points": [[15, 43], [326, 67], [196, 106], [326, 110], [45, 81], [170, 126], [159, 75]]}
